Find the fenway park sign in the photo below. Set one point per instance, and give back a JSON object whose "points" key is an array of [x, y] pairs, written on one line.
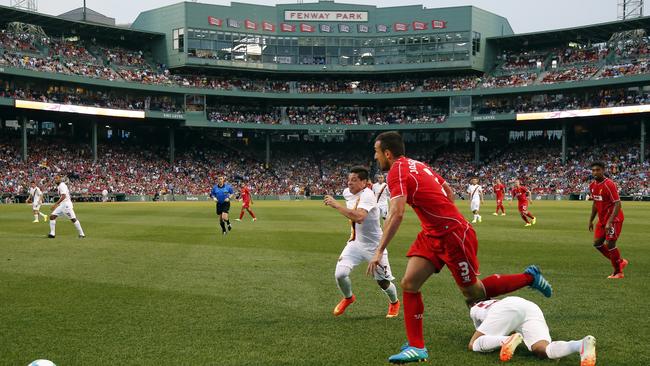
{"points": [[325, 16]]}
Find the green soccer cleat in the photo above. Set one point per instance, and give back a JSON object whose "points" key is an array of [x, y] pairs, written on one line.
{"points": [[410, 354]]}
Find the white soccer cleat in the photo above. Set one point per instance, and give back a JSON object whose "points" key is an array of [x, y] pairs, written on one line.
{"points": [[588, 351], [480, 219], [254, 219], [495, 214], [35, 221], [237, 220]]}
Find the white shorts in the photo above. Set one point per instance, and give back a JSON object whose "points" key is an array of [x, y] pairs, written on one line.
{"points": [[383, 211], [356, 253], [36, 206], [475, 205], [65, 209], [514, 314]]}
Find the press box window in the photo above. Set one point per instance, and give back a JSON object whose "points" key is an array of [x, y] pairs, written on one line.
{"points": [[178, 36]]}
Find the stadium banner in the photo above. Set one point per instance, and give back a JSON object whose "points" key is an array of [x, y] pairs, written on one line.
{"points": [[68, 108], [249, 24], [284, 27], [233, 23], [268, 26], [325, 16], [363, 28], [593, 112], [214, 21], [438, 24], [419, 25], [306, 28], [382, 28], [325, 28], [344, 28], [400, 27]]}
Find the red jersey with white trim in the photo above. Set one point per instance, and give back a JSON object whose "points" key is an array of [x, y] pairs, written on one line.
{"points": [[423, 190], [605, 195], [499, 190], [246, 195], [521, 194]]}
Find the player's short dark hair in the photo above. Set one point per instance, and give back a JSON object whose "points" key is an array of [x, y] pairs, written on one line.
{"points": [[360, 171], [599, 164], [393, 142]]}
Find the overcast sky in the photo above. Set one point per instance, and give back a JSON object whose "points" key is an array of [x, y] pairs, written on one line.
{"points": [[524, 15]]}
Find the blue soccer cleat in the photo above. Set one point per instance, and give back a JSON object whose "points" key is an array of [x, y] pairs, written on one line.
{"points": [[410, 354], [539, 282]]}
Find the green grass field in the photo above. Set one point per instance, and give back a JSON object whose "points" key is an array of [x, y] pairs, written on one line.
{"points": [[156, 284]]}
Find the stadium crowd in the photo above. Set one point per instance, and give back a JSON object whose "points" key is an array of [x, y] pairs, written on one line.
{"points": [[513, 69], [303, 168]]}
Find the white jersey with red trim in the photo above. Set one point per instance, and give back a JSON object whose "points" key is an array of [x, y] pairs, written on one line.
{"points": [[369, 231], [382, 193]]}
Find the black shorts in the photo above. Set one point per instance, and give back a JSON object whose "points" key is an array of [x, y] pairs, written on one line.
{"points": [[223, 207]]}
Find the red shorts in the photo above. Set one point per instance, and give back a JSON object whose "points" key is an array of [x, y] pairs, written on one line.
{"points": [[612, 234], [457, 249], [499, 201], [523, 206], [246, 205]]}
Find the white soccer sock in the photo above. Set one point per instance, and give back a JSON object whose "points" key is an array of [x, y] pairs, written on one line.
{"points": [[488, 343], [391, 292], [36, 217], [77, 225], [559, 349], [343, 281], [52, 227], [42, 214]]}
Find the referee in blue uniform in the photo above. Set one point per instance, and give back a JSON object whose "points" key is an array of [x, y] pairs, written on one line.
{"points": [[222, 192]]}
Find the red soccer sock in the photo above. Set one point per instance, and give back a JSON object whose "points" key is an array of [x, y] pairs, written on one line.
{"points": [[241, 214], [523, 216], [615, 257], [250, 212], [413, 313], [497, 284], [529, 215], [603, 250]]}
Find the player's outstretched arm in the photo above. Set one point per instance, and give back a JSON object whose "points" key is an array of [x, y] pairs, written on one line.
{"points": [[391, 225], [356, 215]]}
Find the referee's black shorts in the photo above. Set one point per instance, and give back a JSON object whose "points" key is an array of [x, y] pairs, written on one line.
{"points": [[223, 207]]}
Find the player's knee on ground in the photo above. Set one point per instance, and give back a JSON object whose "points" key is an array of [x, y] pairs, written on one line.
{"points": [[342, 272], [539, 349]]}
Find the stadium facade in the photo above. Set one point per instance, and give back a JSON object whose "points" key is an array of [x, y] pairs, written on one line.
{"points": [[462, 65]]}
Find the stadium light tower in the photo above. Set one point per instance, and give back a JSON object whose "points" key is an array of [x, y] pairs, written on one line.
{"points": [[31, 5], [630, 9]]}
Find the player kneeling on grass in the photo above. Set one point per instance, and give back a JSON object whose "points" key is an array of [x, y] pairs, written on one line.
{"points": [[506, 323], [63, 207], [362, 211]]}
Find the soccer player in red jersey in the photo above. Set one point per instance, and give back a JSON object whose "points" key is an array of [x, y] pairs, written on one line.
{"points": [[247, 201], [607, 205], [500, 192], [446, 239], [521, 193]]}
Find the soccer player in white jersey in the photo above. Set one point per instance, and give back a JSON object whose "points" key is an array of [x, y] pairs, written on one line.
{"points": [[380, 189], [506, 323], [36, 199], [63, 207], [362, 211], [475, 197]]}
